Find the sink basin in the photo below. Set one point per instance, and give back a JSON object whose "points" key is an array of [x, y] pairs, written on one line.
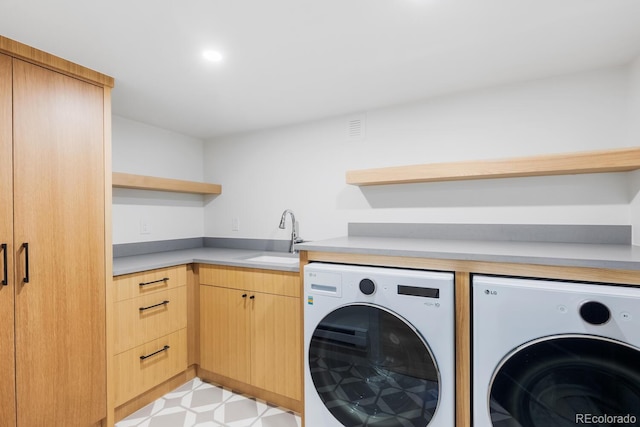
{"points": [[275, 259]]}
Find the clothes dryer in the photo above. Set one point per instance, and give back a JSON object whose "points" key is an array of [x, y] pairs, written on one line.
{"points": [[555, 354], [379, 347]]}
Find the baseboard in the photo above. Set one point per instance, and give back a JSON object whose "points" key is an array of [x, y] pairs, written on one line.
{"points": [[249, 390]]}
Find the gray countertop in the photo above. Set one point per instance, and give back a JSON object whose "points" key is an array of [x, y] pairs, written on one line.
{"points": [[610, 256], [219, 256], [620, 257]]}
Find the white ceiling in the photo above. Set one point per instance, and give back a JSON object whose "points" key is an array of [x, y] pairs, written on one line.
{"points": [[289, 61]]}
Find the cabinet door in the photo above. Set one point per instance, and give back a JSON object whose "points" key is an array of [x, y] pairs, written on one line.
{"points": [[224, 332], [59, 212], [276, 363], [7, 373]]}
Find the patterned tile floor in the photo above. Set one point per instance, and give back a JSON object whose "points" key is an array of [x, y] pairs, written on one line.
{"points": [[198, 404]]}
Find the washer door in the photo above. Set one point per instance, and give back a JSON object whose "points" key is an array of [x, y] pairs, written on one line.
{"points": [[567, 380], [371, 367]]}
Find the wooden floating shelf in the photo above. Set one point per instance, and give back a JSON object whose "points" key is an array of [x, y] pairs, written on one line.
{"points": [[619, 160], [141, 182]]}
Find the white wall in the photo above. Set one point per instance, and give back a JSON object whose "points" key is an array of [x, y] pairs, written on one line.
{"points": [[302, 167], [147, 150], [634, 131]]}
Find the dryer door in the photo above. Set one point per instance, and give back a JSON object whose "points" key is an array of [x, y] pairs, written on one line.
{"points": [[371, 367], [567, 380]]}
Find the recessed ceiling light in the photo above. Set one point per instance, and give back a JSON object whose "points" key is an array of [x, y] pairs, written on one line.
{"points": [[212, 55]]}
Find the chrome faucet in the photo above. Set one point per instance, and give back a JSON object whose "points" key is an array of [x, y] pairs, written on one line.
{"points": [[294, 228]]}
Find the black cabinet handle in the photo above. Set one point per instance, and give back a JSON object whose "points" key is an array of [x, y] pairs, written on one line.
{"points": [[165, 348], [244, 295], [164, 279], [252, 297], [25, 246], [165, 302], [5, 280]]}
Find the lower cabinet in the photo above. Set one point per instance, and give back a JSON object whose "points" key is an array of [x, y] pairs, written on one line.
{"points": [[251, 329], [145, 366], [250, 332], [225, 332], [150, 330]]}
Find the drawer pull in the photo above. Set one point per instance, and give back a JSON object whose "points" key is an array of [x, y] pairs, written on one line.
{"points": [[165, 302], [165, 348], [5, 281], [25, 247], [164, 279]]}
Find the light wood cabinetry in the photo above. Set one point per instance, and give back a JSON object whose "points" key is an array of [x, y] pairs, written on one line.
{"points": [[150, 330], [7, 367], [276, 344], [225, 328], [164, 358], [251, 331], [127, 286], [54, 235], [141, 319]]}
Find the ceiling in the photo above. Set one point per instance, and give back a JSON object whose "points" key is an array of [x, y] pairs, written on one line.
{"points": [[289, 61]]}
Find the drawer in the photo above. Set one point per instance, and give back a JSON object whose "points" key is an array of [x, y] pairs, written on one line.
{"points": [[137, 284], [148, 317], [134, 375], [268, 281]]}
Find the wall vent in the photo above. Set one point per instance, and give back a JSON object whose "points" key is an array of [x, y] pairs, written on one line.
{"points": [[356, 127]]}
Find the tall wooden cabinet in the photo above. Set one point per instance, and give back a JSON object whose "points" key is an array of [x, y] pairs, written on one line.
{"points": [[7, 367], [55, 236]]}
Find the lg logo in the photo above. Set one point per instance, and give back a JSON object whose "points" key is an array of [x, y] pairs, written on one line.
{"points": [[490, 292]]}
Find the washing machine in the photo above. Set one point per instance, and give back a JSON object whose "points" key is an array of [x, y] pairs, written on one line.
{"points": [[379, 347], [555, 354]]}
